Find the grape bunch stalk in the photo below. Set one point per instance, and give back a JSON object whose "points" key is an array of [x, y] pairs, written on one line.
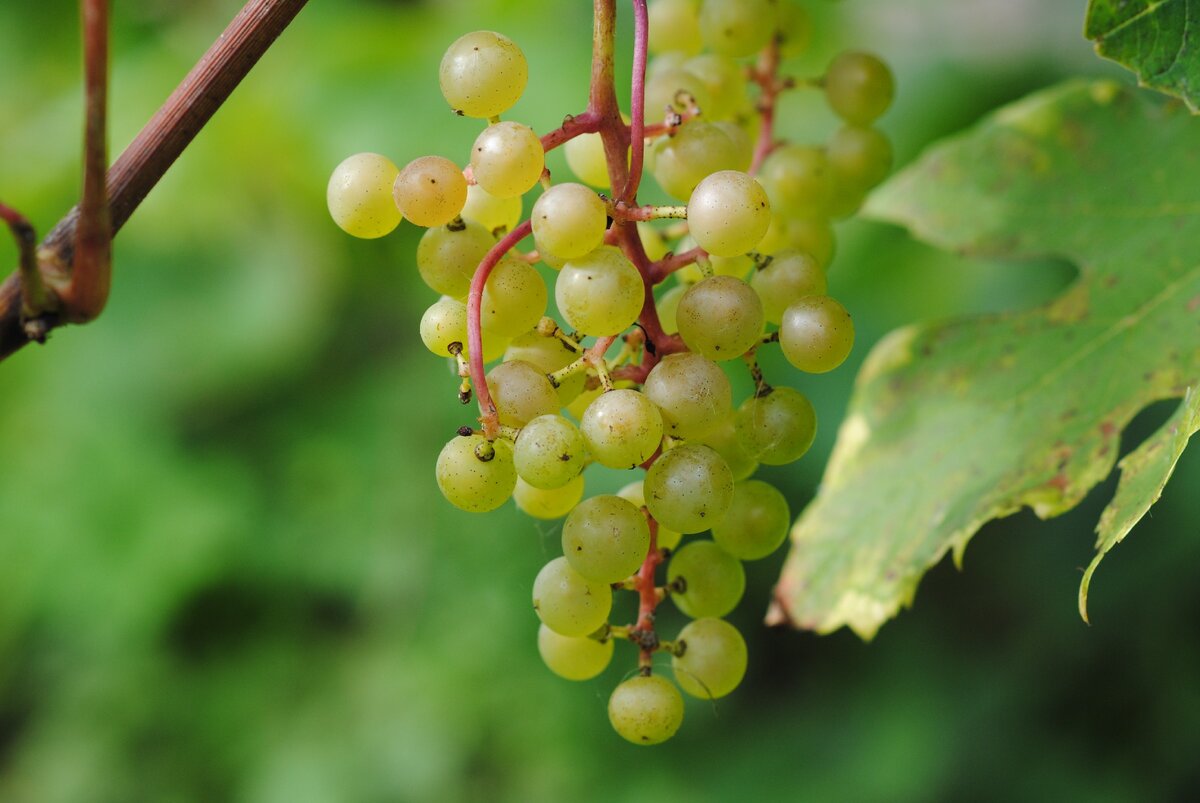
{"points": [[656, 303]]}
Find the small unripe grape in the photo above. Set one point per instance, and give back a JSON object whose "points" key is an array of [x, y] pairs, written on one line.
{"points": [[859, 156], [737, 27], [549, 452], [475, 475], [567, 602], [622, 428], [698, 149], [548, 354], [668, 308], [721, 318], [646, 709], [483, 74], [756, 523], [494, 214], [777, 428], [514, 298], [725, 441], [605, 538], [569, 221], [573, 658], [653, 242], [859, 87], [676, 88], [728, 213], [713, 661], [798, 179], [785, 278], [689, 488], [674, 26], [713, 581], [447, 256], [430, 191], [634, 492], [551, 503], [692, 392], [600, 294], [816, 334], [726, 85], [521, 393], [507, 159], [359, 196], [587, 159]]}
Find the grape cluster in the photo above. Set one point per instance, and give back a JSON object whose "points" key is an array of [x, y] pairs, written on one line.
{"points": [[656, 304]]}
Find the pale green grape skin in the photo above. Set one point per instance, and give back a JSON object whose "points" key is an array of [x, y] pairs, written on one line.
{"points": [[816, 334], [622, 428], [447, 256], [507, 159], [549, 504], [471, 483], [859, 87], [654, 244], [646, 709], [689, 488], [676, 88], [514, 298], [721, 318], [756, 523], [728, 213], [605, 538], [713, 580], [692, 392], [784, 279], [794, 27], [359, 196], [445, 322], [567, 602], [569, 221], [859, 156], [777, 428], [634, 492], [671, 60], [713, 661], [725, 441], [674, 26], [726, 84], [521, 393], [743, 144], [430, 191], [549, 452], [548, 354], [737, 27], [483, 74], [601, 293], [799, 180], [698, 149], [497, 215], [585, 157], [573, 658], [668, 307]]}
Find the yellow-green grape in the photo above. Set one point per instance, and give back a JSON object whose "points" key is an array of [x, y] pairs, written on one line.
{"points": [[859, 87], [548, 354], [756, 523], [586, 158], [777, 428], [811, 235], [689, 488], [670, 60], [622, 428], [708, 580], [726, 442], [483, 74], [494, 214], [514, 298], [475, 475], [567, 602], [507, 159], [548, 503], [447, 256], [666, 538], [785, 278], [573, 658], [653, 241], [725, 81], [721, 318], [798, 180], [521, 393], [816, 334], [794, 28], [668, 307], [430, 191], [605, 538], [738, 266], [676, 88], [860, 156], [697, 149], [445, 322], [674, 26], [583, 401], [646, 709], [601, 293], [743, 144], [359, 196], [728, 213], [737, 27], [711, 659], [692, 392], [549, 452], [569, 221]]}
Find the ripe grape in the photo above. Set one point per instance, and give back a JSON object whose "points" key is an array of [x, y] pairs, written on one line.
{"points": [[494, 214], [698, 149], [777, 428], [586, 158], [737, 27], [728, 213], [567, 602], [668, 307], [359, 196], [859, 156], [430, 191], [569, 221], [507, 159], [859, 87], [756, 523], [725, 441], [787, 277], [447, 256], [475, 475], [713, 581], [646, 709], [605, 538], [573, 658], [713, 662], [816, 334], [689, 488], [549, 452], [721, 318], [674, 26], [521, 393], [798, 179], [483, 74], [622, 428], [552, 503], [548, 354], [600, 294], [692, 392], [445, 322], [666, 538], [514, 298]]}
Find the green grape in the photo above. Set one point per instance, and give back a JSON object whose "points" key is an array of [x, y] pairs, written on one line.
{"points": [[671, 60], [794, 28], [738, 266], [359, 196], [586, 158], [475, 475], [521, 393], [573, 658], [798, 179], [675, 88], [549, 452], [724, 440], [483, 74], [743, 143], [689, 488], [445, 322], [737, 27], [622, 428], [725, 82], [811, 235], [552, 503], [721, 318], [859, 156], [514, 298], [713, 581], [494, 214], [668, 307], [548, 354], [859, 87], [728, 213], [605, 538], [816, 334], [447, 256], [713, 662], [785, 278], [697, 149], [430, 191], [756, 523], [777, 428], [674, 26], [567, 602], [666, 539], [507, 159], [654, 244], [646, 709], [583, 401], [569, 221], [601, 293], [692, 392]]}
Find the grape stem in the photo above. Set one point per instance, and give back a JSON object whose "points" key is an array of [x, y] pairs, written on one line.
{"points": [[673, 262], [648, 597], [765, 74], [620, 209]]}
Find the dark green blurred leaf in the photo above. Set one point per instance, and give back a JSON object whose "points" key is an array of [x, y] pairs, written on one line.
{"points": [[1154, 38]]}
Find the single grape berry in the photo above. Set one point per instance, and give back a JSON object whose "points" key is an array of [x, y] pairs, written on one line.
{"points": [[756, 523], [728, 213], [711, 658], [674, 26], [816, 334], [514, 298], [777, 428], [521, 393], [706, 580], [737, 27], [359, 196], [601, 293], [721, 318], [507, 159], [553, 503], [567, 602], [474, 474], [689, 488], [859, 87], [573, 658], [569, 221], [430, 191], [447, 256], [549, 452], [605, 538], [483, 74], [646, 709], [622, 428], [692, 392]]}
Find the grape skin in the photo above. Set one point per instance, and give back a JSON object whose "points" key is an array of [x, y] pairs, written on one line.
{"points": [[494, 214], [567, 602], [359, 196], [573, 658], [725, 441], [859, 87], [756, 523], [549, 452], [674, 26], [473, 484], [548, 354], [713, 580], [606, 538], [728, 213], [737, 27], [430, 191], [721, 318], [692, 392], [674, 88], [713, 661], [622, 428], [698, 149], [787, 277], [777, 428], [514, 298], [569, 220], [600, 294], [447, 256], [521, 393], [816, 334], [482, 74], [689, 488], [553, 503], [646, 709], [665, 538], [507, 159]]}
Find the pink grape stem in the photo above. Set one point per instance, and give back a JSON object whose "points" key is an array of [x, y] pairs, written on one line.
{"points": [[637, 111]]}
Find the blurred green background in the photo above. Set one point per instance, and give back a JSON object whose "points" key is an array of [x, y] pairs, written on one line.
{"points": [[226, 573]]}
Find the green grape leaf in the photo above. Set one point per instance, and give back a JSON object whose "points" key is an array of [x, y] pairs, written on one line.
{"points": [[953, 424], [1154, 38]]}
